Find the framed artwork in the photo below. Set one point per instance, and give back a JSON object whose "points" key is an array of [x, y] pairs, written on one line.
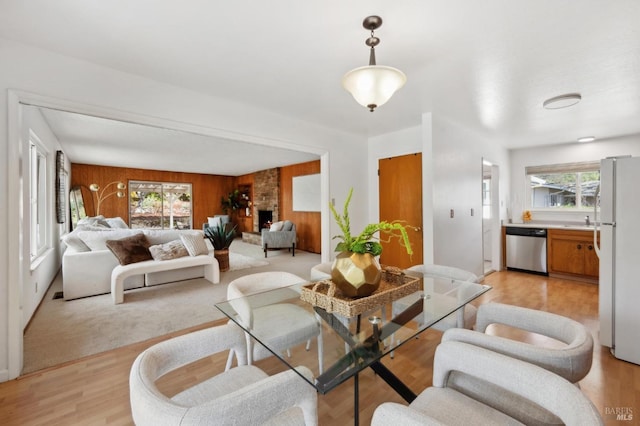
{"points": [[61, 195]]}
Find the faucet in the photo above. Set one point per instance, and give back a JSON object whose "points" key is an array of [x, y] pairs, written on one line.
{"points": [[587, 221]]}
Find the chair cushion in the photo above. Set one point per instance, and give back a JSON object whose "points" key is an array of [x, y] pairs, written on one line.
{"points": [[284, 325], [287, 225], [453, 408], [220, 385]]}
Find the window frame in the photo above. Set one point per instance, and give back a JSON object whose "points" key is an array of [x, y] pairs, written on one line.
{"points": [[562, 168], [132, 185], [39, 196]]}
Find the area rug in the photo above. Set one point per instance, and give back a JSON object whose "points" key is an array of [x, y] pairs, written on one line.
{"points": [[67, 330], [63, 331], [239, 261]]}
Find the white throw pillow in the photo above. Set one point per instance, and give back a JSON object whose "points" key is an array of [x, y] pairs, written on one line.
{"points": [[117, 223], [168, 251], [74, 242], [276, 226], [214, 222], [194, 244]]}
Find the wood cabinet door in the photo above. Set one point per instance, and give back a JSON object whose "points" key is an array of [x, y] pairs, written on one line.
{"points": [[567, 256], [591, 260]]}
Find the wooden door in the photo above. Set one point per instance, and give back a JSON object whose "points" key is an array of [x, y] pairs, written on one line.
{"points": [[400, 186]]}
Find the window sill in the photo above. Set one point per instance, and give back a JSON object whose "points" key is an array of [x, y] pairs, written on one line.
{"points": [[35, 263]]}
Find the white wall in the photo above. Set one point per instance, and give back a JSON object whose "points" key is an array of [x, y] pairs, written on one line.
{"points": [[556, 154], [89, 88], [452, 179], [39, 278], [457, 185]]}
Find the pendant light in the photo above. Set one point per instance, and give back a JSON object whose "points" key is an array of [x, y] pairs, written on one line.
{"points": [[373, 85]]}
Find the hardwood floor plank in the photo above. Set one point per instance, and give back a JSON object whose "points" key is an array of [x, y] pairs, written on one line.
{"points": [[95, 390]]}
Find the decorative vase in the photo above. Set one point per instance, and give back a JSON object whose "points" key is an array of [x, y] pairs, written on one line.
{"points": [[356, 274], [223, 259]]}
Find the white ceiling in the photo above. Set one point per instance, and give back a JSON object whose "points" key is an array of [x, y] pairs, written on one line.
{"points": [[489, 64]]}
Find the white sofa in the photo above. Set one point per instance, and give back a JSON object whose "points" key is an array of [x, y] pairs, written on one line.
{"points": [[87, 263]]}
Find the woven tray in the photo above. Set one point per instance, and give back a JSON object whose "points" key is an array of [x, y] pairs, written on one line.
{"points": [[394, 285]]}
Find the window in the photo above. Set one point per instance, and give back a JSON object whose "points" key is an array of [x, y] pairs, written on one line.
{"points": [[570, 186], [38, 172], [157, 205]]}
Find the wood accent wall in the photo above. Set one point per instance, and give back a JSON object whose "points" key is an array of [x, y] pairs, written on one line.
{"points": [[207, 190], [245, 223], [308, 224]]}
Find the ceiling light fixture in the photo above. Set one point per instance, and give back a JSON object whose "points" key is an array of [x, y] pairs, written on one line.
{"points": [[562, 101], [587, 139], [373, 85]]}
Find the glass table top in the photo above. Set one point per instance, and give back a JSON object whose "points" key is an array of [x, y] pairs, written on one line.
{"points": [[348, 345]]}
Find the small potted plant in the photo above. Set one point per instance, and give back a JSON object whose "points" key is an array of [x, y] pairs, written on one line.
{"points": [[221, 237], [356, 270]]}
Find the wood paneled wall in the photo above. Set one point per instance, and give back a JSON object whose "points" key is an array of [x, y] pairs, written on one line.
{"points": [[206, 189], [207, 192], [308, 224]]}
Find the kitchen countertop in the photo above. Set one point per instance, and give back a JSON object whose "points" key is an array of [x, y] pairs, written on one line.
{"points": [[552, 225]]}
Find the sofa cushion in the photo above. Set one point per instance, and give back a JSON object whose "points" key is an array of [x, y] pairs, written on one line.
{"points": [[131, 249], [168, 251], [96, 240], [287, 225], [194, 243]]}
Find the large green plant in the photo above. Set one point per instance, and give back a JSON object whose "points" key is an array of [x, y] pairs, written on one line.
{"points": [[365, 242], [220, 236]]}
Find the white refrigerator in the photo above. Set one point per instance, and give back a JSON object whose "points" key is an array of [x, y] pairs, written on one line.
{"points": [[619, 252]]}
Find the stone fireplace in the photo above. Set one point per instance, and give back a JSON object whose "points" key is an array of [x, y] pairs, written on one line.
{"points": [[266, 193]]}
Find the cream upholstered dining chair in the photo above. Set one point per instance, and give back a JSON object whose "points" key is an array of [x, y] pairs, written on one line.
{"points": [[242, 395], [570, 359], [505, 379], [464, 317], [280, 324]]}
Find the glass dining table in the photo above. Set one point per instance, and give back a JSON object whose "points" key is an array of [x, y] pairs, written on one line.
{"points": [[352, 344]]}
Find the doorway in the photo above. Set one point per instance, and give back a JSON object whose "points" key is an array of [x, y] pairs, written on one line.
{"points": [[400, 195], [490, 217]]}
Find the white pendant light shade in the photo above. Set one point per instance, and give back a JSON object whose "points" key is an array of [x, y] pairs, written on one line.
{"points": [[373, 85]]}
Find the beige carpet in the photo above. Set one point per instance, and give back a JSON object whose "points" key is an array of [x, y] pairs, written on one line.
{"points": [[62, 331]]}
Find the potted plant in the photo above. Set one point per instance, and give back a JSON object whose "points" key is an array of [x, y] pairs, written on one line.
{"points": [[356, 270], [221, 237]]}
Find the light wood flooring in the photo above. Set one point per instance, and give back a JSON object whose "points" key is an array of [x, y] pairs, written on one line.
{"points": [[94, 390]]}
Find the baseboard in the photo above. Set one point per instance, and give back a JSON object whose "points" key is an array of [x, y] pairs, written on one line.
{"points": [[4, 375]]}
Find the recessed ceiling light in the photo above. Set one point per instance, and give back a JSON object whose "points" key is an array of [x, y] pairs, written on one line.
{"points": [[587, 139], [562, 101]]}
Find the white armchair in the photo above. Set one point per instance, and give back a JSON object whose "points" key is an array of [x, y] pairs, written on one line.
{"points": [[241, 395], [572, 360], [505, 378], [281, 325], [280, 235]]}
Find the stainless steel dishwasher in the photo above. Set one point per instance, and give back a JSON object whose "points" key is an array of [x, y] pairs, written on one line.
{"points": [[527, 249]]}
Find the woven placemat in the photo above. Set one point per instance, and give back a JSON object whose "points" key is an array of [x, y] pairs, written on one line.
{"points": [[324, 294]]}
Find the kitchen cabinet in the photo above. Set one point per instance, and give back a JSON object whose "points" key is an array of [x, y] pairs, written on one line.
{"points": [[571, 253]]}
